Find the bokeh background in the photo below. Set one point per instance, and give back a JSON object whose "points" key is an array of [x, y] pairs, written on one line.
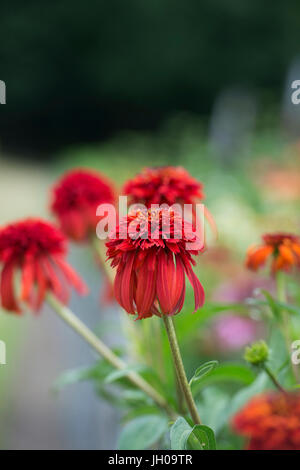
{"points": [[118, 86]]}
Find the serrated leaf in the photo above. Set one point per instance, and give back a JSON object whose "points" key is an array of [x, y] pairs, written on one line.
{"points": [[142, 432]]}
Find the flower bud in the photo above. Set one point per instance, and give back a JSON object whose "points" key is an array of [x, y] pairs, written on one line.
{"points": [[257, 353]]}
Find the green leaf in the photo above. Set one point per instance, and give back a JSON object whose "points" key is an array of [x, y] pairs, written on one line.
{"points": [[179, 434], [119, 374], [204, 435], [72, 376], [203, 371], [261, 383], [273, 304], [142, 432], [184, 437], [229, 372]]}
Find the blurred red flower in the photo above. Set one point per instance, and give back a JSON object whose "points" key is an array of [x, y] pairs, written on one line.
{"points": [[37, 249], [271, 421], [151, 263], [167, 184], [76, 197], [284, 248]]}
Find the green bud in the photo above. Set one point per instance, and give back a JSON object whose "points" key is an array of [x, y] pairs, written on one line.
{"points": [[257, 353]]}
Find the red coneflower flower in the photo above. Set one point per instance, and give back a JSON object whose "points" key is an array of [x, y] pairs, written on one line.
{"points": [[75, 200], [271, 422], [167, 184], [37, 249], [283, 247], [152, 262]]}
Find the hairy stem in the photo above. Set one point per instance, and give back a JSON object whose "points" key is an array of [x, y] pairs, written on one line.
{"points": [[77, 325], [168, 321]]}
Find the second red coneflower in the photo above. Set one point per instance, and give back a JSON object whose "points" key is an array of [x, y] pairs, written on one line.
{"points": [[166, 184], [76, 197], [152, 263]]}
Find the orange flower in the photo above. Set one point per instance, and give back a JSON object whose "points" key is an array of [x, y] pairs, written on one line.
{"points": [[283, 247], [270, 421]]}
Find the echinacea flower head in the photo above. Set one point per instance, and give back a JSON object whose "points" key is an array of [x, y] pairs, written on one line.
{"points": [[166, 184], [76, 197], [152, 262], [35, 249], [283, 248], [270, 421]]}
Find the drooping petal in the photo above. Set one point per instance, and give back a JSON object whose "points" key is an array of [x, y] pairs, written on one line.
{"points": [[7, 288], [197, 286], [180, 285], [41, 285], [124, 282], [256, 257], [71, 275], [286, 254], [56, 284], [27, 277], [166, 278], [146, 286]]}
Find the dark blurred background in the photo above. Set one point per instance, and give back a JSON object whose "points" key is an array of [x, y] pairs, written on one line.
{"points": [[82, 71]]}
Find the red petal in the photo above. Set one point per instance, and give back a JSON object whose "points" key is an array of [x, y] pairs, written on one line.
{"points": [[166, 283], [71, 275], [197, 286], [42, 285], [27, 277], [146, 283], [180, 284], [7, 288], [124, 283], [55, 283]]}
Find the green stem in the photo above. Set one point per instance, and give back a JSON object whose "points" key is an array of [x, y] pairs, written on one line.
{"points": [[168, 321], [77, 325], [273, 378]]}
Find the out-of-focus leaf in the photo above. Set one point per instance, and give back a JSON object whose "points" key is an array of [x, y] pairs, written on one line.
{"points": [[204, 435], [179, 434], [273, 304], [142, 432], [72, 376], [202, 371], [213, 407], [243, 395], [119, 374]]}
